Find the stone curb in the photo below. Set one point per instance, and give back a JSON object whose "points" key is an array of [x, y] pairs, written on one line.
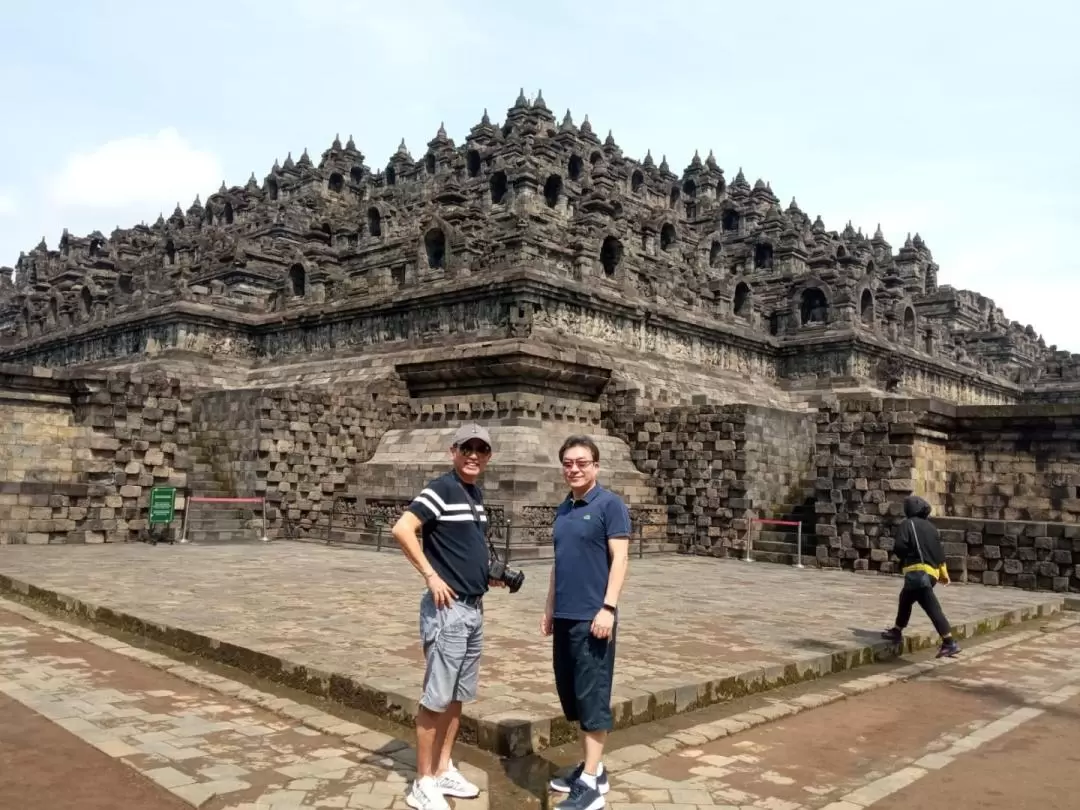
{"points": [[510, 736], [380, 749], [634, 756]]}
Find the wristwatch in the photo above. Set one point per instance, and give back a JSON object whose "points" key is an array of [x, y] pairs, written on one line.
{"points": [[609, 608]]}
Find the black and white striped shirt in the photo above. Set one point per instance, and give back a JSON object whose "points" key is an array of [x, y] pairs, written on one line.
{"points": [[453, 533]]}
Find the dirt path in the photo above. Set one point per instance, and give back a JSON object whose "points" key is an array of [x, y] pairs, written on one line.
{"points": [[39, 759]]}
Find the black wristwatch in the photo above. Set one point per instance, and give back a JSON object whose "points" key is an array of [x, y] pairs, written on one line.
{"points": [[608, 607]]}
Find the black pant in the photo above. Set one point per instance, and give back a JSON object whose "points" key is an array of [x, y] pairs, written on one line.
{"points": [[584, 672], [928, 601]]}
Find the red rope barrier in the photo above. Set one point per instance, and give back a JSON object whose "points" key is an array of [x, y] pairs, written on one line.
{"points": [[226, 500]]}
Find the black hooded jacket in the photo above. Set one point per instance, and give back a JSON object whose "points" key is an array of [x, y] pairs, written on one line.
{"points": [[917, 525]]}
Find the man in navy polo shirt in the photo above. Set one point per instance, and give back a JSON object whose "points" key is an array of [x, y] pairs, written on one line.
{"points": [[592, 539], [454, 560]]}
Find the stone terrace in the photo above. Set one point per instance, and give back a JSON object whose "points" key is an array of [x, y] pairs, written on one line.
{"points": [[343, 622]]}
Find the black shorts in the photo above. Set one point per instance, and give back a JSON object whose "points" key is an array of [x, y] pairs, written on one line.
{"points": [[584, 672]]}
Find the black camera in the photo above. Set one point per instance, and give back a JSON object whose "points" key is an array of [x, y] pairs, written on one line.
{"points": [[501, 572]]}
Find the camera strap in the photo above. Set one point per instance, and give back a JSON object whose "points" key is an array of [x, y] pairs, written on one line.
{"points": [[480, 524]]}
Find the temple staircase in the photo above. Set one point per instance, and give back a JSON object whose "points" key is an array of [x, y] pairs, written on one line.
{"points": [[779, 544], [211, 477]]}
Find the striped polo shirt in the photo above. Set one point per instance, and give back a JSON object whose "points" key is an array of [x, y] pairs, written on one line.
{"points": [[453, 540]]}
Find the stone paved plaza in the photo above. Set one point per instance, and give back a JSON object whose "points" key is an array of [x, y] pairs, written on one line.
{"points": [[215, 743], [687, 622]]}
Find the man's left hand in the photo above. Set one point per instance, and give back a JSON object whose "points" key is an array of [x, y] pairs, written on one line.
{"points": [[602, 624], [496, 583]]}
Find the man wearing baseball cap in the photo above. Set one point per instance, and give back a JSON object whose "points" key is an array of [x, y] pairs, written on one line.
{"points": [[452, 556]]}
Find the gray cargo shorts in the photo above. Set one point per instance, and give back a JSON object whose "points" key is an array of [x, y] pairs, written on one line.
{"points": [[453, 638]]}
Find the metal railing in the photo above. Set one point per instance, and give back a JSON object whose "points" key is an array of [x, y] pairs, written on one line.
{"points": [[351, 524], [771, 522], [193, 499]]}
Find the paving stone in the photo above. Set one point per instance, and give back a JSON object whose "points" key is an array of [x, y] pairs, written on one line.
{"points": [[800, 763], [306, 604], [172, 736]]}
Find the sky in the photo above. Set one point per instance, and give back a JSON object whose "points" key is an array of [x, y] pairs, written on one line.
{"points": [[959, 121]]}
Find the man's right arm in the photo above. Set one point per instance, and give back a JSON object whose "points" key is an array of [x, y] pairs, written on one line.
{"points": [[425, 507], [406, 532]]}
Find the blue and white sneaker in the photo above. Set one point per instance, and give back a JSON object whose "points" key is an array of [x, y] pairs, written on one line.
{"points": [[564, 784], [582, 797]]}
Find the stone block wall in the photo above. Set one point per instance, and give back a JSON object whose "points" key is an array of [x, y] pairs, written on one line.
{"points": [[310, 444], [714, 466], [986, 471], [225, 443], [141, 438], [930, 469], [865, 468], [779, 461], [81, 453], [37, 434], [1023, 554], [1013, 464]]}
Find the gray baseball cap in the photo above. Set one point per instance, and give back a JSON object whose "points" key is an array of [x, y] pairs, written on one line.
{"points": [[471, 431]]}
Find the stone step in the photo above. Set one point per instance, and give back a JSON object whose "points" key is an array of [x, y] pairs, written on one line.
{"points": [[213, 488], [779, 537], [224, 525], [777, 558], [210, 538]]}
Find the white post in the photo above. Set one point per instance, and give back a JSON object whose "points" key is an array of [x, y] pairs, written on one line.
{"points": [[187, 511], [749, 538], [798, 547], [265, 539]]}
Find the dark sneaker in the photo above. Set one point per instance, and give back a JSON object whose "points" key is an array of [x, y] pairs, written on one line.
{"points": [[893, 634], [564, 784], [582, 797], [948, 649]]}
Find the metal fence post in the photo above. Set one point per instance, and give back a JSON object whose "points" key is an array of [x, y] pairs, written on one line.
{"points": [[798, 547], [378, 535], [330, 521], [506, 543], [749, 538], [265, 537], [187, 511], [640, 541]]}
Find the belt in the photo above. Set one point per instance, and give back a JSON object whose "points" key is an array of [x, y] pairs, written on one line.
{"points": [[470, 601]]}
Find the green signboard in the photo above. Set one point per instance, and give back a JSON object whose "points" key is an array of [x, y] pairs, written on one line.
{"points": [[162, 504]]}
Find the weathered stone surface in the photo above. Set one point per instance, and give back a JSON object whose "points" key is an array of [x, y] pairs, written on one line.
{"points": [[1003, 482], [79, 454], [323, 331], [324, 612], [536, 231], [717, 466]]}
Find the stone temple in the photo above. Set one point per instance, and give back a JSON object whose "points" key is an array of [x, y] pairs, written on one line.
{"points": [[315, 336]]}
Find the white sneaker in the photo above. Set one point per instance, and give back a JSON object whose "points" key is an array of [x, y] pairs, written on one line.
{"points": [[453, 783], [424, 794]]}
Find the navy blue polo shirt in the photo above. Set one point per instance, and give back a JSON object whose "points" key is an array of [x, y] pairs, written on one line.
{"points": [[454, 536], [582, 561]]}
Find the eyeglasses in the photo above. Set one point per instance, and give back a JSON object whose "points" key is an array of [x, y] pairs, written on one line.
{"points": [[580, 463], [474, 450]]}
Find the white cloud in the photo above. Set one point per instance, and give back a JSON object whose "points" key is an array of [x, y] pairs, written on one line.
{"points": [[8, 207], [156, 170]]}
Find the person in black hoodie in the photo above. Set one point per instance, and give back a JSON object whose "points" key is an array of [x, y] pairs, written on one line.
{"points": [[922, 560]]}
